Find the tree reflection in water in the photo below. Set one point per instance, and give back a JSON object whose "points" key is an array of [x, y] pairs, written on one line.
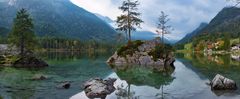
{"points": [[153, 76]]}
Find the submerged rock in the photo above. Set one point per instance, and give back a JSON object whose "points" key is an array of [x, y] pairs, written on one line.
{"points": [[65, 85], [39, 77], [30, 62], [99, 88], [222, 83]]}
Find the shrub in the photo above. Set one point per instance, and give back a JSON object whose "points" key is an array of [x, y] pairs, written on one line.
{"points": [[161, 51], [129, 49]]}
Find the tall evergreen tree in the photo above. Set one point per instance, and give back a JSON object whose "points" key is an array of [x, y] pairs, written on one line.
{"points": [[22, 35], [162, 25], [129, 20]]}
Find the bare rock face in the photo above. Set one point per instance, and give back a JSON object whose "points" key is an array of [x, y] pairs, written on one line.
{"points": [[141, 56], [222, 83], [99, 88]]}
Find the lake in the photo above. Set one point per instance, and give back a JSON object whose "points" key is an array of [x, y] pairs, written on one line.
{"points": [[187, 81]]}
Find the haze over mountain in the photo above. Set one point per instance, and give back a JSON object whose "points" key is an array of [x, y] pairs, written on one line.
{"points": [[136, 35], [57, 18], [185, 15], [226, 21], [189, 36]]}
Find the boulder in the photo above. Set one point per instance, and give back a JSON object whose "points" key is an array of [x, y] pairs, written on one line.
{"points": [[30, 62], [99, 88], [222, 83], [39, 77], [141, 56], [65, 85]]}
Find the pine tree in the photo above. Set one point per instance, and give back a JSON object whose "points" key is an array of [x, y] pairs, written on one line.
{"points": [[22, 35], [162, 25], [129, 20]]}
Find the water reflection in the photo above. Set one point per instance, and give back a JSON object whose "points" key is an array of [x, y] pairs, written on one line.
{"points": [[75, 67], [152, 76], [210, 65], [142, 75], [186, 81]]}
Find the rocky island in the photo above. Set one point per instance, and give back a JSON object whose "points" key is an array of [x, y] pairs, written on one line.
{"points": [[11, 57], [148, 53]]}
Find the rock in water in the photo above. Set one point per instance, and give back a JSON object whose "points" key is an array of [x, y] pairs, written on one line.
{"points": [[140, 54], [39, 77], [30, 62], [99, 88], [65, 85], [222, 83]]}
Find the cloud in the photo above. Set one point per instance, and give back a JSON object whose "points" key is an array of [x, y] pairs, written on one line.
{"points": [[185, 15]]}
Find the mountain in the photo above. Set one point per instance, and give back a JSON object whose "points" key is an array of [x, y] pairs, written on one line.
{"points": [[59, 18], [146, 35], [104, 18], [4, 31], [226, 21], [188, 37]]}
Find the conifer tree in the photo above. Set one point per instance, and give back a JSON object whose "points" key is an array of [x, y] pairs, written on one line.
{"points": [[22, 34], [162, 26], [129, 20]]}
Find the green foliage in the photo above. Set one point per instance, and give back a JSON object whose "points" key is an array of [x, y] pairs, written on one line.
{"points": [[161, 51], [67, 44], [9, 59], [63, 19], [179, 46], [162, 25], [130, 48], [128, 21], [188, 46], [226, 40], [226, 21], [235, 41], [22, 34]]}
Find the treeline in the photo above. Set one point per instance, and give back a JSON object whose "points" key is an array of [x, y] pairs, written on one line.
{"points": [[48, 43], [213, 41], [65, 44]]}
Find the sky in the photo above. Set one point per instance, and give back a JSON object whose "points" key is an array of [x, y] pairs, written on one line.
{"points": [[185, 15]]}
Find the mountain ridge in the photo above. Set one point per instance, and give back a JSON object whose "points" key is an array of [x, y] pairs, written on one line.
{"points": [[59, 18], [226, 21]]}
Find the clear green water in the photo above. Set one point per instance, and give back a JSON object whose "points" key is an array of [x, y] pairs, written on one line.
{"points": [[187, 81]]}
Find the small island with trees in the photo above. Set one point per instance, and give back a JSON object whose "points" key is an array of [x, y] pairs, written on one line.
{"points": [[152, 53], [59, 49], [22, 44]]}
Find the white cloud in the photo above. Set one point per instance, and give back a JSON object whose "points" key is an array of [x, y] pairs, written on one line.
{"points": [[185, 15]]}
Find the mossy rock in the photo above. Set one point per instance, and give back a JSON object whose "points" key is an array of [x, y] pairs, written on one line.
{"points": [[161, 51], [130, 48], [29, 62]]}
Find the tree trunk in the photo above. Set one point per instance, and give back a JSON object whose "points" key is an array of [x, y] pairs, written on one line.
{"points": [[129, 34], [129, 24], [22, 45]]}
